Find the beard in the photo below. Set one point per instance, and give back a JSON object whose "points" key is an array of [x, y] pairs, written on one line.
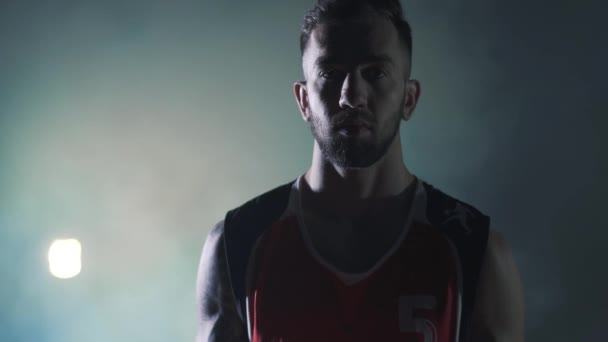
{"points": [[358, 151]]}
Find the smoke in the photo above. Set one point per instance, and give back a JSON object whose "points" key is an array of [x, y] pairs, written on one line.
{"points": [[134, 126]]}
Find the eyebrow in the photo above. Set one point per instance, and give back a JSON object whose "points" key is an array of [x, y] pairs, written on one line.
{"points": [[370, 59]]}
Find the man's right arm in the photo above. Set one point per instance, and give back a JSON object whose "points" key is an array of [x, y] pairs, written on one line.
{"points": [[217, 315]]}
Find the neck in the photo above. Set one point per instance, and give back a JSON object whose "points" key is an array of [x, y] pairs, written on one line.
{"points": [[350, 193]]}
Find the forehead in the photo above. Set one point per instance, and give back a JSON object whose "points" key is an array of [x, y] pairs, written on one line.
{"points": [[352, 41]]}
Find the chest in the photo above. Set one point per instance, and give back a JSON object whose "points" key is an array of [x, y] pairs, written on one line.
{"points": [[417, 283], [354, 246]]}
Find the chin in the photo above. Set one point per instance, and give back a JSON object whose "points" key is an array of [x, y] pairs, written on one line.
{"points": [[355, 158]]}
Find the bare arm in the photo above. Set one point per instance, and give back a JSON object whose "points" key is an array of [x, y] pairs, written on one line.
{"points": [[218, 319], [498, 313]]}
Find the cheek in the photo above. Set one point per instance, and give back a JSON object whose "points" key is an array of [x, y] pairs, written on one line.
{"points": [[316, 104], [314, 97], [327, 94], [318, 107], [388, 95]]}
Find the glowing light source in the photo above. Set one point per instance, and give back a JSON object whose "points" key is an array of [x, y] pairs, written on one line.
{"points": [[64, 258]]}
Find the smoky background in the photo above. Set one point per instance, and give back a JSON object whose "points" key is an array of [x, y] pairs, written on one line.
{"points": [[135, 125]]}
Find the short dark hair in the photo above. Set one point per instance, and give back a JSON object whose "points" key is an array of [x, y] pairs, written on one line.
{"points": [[337, 10]]}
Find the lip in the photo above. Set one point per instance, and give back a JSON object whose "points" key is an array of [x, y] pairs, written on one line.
{"points": [[352, 130], [356, 124]]}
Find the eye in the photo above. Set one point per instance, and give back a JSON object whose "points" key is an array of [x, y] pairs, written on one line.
{"points": [[331, 74], [374, 73]]}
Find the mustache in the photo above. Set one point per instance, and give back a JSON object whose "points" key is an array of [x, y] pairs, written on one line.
{"points": [[353, 116]]}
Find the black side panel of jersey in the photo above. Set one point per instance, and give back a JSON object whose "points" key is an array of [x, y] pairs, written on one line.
{"points": [[468, 229], [242, 227]]}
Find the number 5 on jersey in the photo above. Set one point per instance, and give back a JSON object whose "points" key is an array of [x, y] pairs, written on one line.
{"points": [[409, 323]]}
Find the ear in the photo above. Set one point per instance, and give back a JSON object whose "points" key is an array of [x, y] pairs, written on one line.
{"points": [[412, 93], [299, 90]]}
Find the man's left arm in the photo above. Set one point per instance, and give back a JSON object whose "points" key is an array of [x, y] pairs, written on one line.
{"points": [[498, 313]]}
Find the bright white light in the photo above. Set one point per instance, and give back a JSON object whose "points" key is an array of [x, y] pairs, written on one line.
{"points": [[64, 258]]}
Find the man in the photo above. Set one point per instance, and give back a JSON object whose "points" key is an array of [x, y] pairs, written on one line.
{"points": [[357, 248]]}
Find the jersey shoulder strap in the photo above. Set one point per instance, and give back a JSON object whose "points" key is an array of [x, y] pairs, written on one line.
{"points": [[242, 227], [468, 229]]}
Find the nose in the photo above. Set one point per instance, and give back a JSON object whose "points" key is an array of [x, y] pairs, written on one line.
{"points": [[353, 93]]}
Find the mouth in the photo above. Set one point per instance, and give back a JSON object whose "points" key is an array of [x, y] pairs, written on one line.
{"points": [[352, 129], [353, 124]]}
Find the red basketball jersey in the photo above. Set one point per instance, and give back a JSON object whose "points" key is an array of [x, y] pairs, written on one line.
{"points": [[411, 294]]}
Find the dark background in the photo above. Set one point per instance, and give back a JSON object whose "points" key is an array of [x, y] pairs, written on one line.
{"points": [[134, 126]]}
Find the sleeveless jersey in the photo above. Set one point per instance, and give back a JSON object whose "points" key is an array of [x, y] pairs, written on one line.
{"points": [[420, 290]]}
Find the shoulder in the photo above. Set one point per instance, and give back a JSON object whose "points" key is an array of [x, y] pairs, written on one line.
{"points": [[452, 214], [498, 244], [211, 280], [498, 253], [243, 224], [499, 302], [217, 315], [223, 265], [439, 199], [268, 200]]}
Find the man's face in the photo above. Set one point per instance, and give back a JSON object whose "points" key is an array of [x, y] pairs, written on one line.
{"points": [[356, 72]]}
